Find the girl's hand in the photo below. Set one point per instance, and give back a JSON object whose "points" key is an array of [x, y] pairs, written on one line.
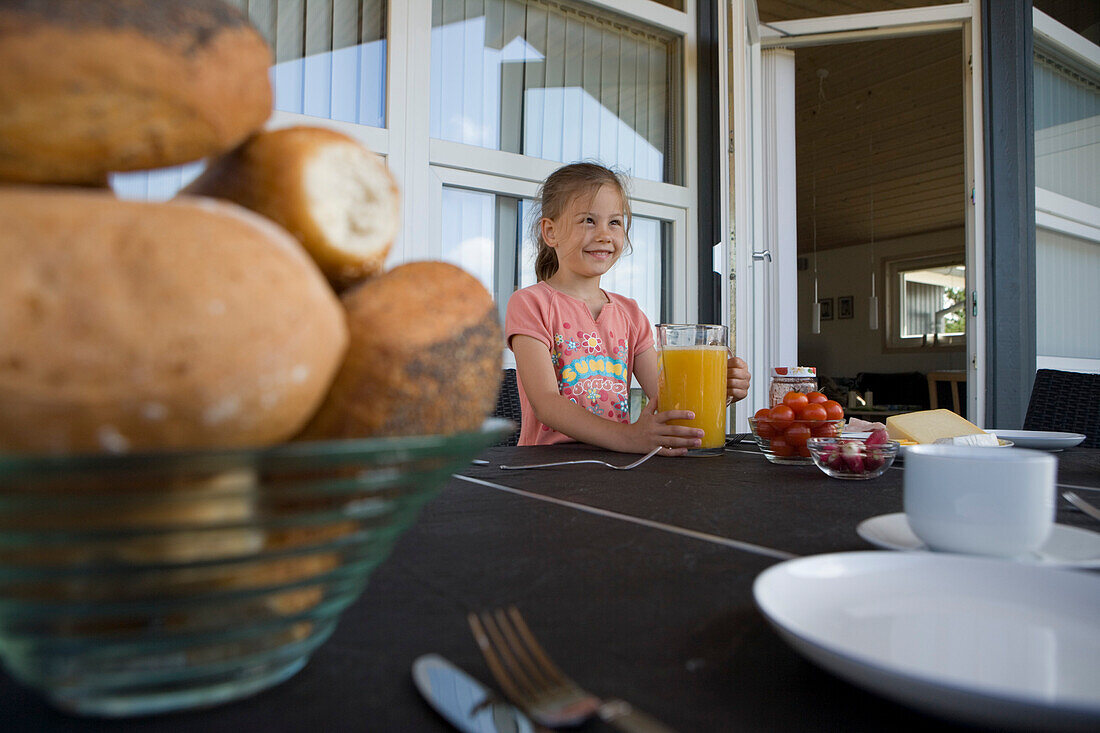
{"points": [[737, 379], [652, 429]]}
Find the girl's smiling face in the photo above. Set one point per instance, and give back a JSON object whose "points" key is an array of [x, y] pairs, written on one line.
{"points": [[589, 235]]}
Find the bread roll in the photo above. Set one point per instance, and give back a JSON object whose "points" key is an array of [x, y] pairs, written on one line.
{"points": [[336, 196], [93, 86], [424, 356], [130, 326]]}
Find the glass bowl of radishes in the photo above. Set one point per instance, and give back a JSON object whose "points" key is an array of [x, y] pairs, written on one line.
{"points": [[855, 458]]}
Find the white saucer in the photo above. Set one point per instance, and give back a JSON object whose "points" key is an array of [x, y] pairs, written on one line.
{"points": [[971, 639], [1067, 547], [1040, 439]]}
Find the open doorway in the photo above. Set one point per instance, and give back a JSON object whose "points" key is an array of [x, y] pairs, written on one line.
{"points": [[857, 156], [881, 196]]}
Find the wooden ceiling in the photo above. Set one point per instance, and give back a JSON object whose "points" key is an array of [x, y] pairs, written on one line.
{"points": [[882, 132]]}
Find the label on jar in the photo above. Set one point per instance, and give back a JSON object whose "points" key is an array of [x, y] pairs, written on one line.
{"points": [[791, 379], [794, 371]]}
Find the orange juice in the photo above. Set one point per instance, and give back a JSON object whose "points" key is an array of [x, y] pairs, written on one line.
{"points": [[694, 378]]}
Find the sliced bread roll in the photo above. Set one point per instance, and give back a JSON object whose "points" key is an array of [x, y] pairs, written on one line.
{"points": [[336, 196], [424, 356], [94, 86], [127, 326]]}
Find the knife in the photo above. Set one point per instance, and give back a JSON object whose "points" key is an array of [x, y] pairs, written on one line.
{"points": [[464, 702]]}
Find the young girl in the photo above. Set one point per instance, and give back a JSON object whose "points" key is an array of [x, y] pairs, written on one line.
{"points": [[576, 345]]}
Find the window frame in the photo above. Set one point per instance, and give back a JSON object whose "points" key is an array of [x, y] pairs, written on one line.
{"points": [[892, 268]]}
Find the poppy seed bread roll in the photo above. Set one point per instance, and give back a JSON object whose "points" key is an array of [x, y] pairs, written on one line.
{"points": [[94, 86], [333, 194], [128, 326], [424, 356]]}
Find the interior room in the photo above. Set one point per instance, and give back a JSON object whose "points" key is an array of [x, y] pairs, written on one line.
{"points": [[881, 216]]}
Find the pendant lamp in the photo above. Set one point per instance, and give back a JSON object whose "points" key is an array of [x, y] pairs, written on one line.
{"points": [[872, 302]]}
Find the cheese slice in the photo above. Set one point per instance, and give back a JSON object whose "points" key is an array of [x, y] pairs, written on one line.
{"points": [[928, 426]]}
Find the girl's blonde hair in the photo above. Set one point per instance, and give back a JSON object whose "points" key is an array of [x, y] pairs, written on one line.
{"points": [[560, 189]]}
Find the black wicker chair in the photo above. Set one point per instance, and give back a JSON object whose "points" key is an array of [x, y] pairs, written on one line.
{"points": [[1066, 402], [508, 405]]}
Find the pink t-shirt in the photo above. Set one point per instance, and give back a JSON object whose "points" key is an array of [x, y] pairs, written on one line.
{"points": [[593, 359]]}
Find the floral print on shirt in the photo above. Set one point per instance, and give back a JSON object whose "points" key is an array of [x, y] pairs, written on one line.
{"points": [[589, 376]]}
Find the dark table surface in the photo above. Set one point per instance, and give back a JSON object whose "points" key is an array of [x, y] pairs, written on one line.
{"points": [[638, 583]]}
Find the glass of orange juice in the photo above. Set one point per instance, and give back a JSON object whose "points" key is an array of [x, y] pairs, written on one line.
{"points": [[692, 377]]}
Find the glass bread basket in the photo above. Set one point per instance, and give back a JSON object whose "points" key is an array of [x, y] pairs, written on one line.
{"points": [[142, 583]]}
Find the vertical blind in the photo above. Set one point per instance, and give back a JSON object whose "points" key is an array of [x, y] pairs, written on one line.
{"points": [[1067, 131], [330, 56], [1067, 162], [1067, 271], [330, 61], [555, 81], [470, 236]]}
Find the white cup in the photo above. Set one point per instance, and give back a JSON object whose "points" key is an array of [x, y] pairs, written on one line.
{"points": [[980, 501]]}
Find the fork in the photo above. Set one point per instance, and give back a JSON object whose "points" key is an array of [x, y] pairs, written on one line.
{"points": [[532, 681], [1081, 504], [627, 467]]}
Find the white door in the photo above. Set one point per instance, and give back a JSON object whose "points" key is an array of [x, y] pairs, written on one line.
{"points": [[761, 120], [747, 280]]}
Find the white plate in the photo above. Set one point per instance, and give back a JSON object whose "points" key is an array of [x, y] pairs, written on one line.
{"points": [[971, 639], [1040, 439], [1069, 547]]}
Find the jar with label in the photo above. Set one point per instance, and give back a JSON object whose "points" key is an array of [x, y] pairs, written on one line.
{"points": [[791, 379]]}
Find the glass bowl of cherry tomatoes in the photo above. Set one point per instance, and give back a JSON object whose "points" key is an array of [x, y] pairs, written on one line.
{"points": [[783, 431]]}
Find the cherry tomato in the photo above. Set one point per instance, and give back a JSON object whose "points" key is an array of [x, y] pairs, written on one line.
{"points": [[817, 398], [826, 430], [781, 416], [797, 435], [813, 412], [763, 423], [794, 399], [781, 448], [833, 410], [804, 451]]}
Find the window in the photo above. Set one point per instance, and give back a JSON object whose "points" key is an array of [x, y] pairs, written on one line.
{"points": [[481, 236], [555, 82], [519, 87], [1067, 197], [1067, 131], [1067, 271], [484, 231], [330, 56], [330, 63], [638, 273], [474, 102], [926, 302]]}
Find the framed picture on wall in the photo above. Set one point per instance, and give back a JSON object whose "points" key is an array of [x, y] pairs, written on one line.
{"points": [[826, 309], [844, 306]]}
